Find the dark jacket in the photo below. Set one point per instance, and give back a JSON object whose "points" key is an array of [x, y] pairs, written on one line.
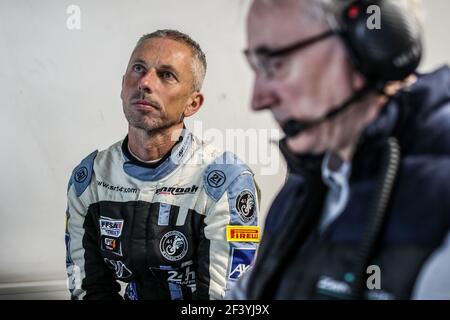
{"points": [[295, 261]]}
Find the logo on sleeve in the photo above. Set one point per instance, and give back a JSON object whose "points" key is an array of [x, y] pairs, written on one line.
{"points": [[241, 258], [173, 245], [110, 227], [81, 174], [242, 233], [245, 205], [216, 178]]}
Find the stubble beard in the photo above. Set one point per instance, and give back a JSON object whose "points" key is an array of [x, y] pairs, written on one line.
{"points": [[144, 121]]}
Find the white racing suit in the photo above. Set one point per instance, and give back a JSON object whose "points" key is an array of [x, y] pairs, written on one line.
{"points": [[185, 228]]}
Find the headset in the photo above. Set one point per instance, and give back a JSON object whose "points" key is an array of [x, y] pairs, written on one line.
{"points": [[390, 51], [386, 51]]}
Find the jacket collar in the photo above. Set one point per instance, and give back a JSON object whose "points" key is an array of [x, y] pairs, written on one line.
{"points": [[153, 172]]}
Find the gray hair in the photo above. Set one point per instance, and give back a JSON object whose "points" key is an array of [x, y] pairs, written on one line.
{"points": [[199, 59]]}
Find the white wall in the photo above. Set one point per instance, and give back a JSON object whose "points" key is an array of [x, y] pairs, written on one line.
{"points": [[437, 28], [60, 100]]}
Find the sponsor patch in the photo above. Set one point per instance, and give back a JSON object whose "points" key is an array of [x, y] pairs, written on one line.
{"points": [[182, 276], [216, 179], [242, 233], [173, 245], [111, 187], [175, 191], [81, 174], [112, 245], [245, 205], [241, 258], [110, 227]]}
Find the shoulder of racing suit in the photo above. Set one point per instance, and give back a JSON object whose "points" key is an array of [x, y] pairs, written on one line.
{"points": [[82, 174], [222, 172]]}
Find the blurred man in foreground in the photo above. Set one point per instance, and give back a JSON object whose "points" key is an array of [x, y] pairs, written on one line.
{"points": [[365, 213]]}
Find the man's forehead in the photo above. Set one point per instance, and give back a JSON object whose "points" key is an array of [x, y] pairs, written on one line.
{"points": [[295, 8], [274, 25], [162, 51], [262, 5]]}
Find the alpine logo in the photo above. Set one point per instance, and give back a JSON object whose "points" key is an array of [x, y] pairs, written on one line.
{"points": [[175, 191]]}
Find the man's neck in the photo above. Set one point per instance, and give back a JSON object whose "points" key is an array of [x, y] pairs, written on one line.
{"points": [[346, 153], [155, 144]]}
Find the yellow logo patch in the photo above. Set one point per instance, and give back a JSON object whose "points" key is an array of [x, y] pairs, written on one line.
{"points": [[242, 233]]}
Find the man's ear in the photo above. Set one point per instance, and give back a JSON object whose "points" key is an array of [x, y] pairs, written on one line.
{"points": [[195, 103], [121, 90]]}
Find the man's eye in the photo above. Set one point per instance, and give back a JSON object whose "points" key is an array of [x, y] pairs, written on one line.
{"points": [[167, 75], [277, 63], [138, 68]]}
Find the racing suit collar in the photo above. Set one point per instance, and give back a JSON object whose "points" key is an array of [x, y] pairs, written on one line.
{"points": [[166, 165]]}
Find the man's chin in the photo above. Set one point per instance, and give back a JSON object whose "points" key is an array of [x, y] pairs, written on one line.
{"points": [[144, 125], [303, 145], [150, 126]]}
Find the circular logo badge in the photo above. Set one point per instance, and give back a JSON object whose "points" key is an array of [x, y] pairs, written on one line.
{"points": [[81, 174], [216, 178], [245, 205], [173, 245]]}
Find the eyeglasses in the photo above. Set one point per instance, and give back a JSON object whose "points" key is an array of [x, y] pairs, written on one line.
{"points": [[268, 61]]}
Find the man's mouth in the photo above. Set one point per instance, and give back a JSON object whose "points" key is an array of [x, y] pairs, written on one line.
{"points": [[146, 105]]}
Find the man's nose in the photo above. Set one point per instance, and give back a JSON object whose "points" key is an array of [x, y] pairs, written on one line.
{"points": [[148, 81], [264, 96]]}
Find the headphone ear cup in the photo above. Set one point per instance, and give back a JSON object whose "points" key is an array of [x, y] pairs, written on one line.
{"points": [[390, 52]]}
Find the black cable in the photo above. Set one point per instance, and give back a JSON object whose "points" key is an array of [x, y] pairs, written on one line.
{"points": [[293, 127], [372, 234]]}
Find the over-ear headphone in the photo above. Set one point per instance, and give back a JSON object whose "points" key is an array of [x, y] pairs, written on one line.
{"points": [[390, 52]]}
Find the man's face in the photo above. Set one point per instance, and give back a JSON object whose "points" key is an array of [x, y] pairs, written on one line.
{"points": [[307, 83], [157, 85]]}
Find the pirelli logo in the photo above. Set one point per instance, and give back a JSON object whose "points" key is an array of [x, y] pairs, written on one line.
{"points": [[242, 233]]}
